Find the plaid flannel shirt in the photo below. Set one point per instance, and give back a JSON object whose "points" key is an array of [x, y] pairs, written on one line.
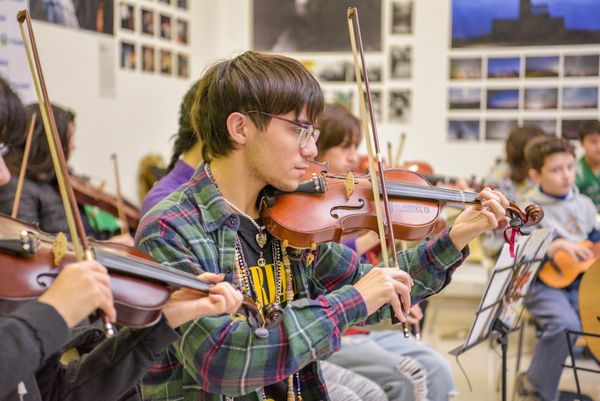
{"points": [[194, 230]]}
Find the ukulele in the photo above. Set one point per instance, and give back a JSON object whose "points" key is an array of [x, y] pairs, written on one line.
{"points": [[562, 269]]}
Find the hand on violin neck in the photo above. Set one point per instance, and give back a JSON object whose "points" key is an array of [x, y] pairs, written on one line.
{"points": [[187, 305], [79, 290], [475, 220], [381, 286]]}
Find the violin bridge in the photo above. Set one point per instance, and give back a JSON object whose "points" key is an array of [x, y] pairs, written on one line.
{"points": [[349, 185], [59, 248]]}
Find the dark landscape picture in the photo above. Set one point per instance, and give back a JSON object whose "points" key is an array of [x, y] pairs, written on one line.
{"points": [[581, 66], [541, 98], [463, 130], [498, 130], [580, 97], [464, 98], [465, 68], [540, 67], [569, 128], [548, 126], [313, 25], [504, 67], [524, 22], [503, 99]]}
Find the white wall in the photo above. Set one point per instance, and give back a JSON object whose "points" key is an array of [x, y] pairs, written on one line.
{"points": [[144, 112]]}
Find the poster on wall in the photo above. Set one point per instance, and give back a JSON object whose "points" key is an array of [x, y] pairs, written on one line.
{"points": [[92, 15], [524, 22], [312, 25]]}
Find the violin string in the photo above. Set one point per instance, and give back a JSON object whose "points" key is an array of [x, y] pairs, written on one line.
{"points": [[434, 193]]}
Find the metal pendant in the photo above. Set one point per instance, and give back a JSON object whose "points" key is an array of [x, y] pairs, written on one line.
{"points": [[261, 239], [273, 314]]}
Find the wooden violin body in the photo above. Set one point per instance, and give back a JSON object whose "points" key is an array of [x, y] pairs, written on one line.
{"points": [[31, 259], [88, 194], [327, 205]]}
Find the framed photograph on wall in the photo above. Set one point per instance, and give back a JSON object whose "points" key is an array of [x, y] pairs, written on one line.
{"points": [[182, 31], [148, 59], [166, 62], [464, 98], [574, 97], [503, 67], [581, 65], [463, 130], [503, 99], [128, 56], [399, 105], [165, 26], [312, 25], [402, 17], [400, 62], [183, 65], [569, 127], [127, 16], [548, 126], [524, 22], [542, 66], [465, 68], [92, 15], [540, 98], [147, 21], [498, 130]]}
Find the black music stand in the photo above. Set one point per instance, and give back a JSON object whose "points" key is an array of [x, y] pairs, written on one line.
{"points": [[502, 305]]}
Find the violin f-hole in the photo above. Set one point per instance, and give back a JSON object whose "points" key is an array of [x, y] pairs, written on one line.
{"points": [[41, 279], [346, 207]]}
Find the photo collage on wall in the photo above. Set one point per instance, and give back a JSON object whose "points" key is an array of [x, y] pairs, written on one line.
{"points": [[283, 26], [493, 90], [154, 36]]}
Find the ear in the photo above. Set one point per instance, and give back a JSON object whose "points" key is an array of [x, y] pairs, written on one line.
{"points": [[534, 175], [237, 127]]}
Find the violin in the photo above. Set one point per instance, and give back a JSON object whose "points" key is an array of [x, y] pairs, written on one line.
{"points": [[30, 260], [88, 194], [327, 205]]}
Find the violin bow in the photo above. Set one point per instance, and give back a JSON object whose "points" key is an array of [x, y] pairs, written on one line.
{"points": [[400, 150], [371, 139], [120, 206], [24, 162], [79, 240]]}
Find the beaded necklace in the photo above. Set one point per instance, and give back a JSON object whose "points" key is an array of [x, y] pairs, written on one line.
{"points": [[272, 313]]}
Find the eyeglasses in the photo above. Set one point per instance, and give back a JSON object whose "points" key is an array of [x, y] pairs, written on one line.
{"points": [[305, 132]]}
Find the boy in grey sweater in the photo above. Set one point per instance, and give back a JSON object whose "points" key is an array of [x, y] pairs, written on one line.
{"points": [[573, 216]]}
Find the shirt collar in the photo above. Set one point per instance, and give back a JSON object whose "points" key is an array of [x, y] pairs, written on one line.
{"points": [[214, 211]]}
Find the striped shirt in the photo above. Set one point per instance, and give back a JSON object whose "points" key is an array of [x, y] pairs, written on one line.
{"points": [[194, 230]]}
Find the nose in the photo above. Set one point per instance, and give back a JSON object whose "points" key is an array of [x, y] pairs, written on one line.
{"points": [[309, 151]]}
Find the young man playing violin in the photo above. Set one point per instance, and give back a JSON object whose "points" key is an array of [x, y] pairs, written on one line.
{"points": [[256, 117], [573, 216]]}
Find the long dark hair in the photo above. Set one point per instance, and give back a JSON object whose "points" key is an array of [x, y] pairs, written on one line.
{"points": [[515, 153], [39, 166], [12, 113], [186, 137]]}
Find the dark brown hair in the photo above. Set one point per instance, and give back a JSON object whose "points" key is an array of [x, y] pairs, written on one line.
{"points": [[186, 138], [12, 113], [338, 127], [538, 149], [251, 81], [515, 145], [39, 166], [589, 127]]}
